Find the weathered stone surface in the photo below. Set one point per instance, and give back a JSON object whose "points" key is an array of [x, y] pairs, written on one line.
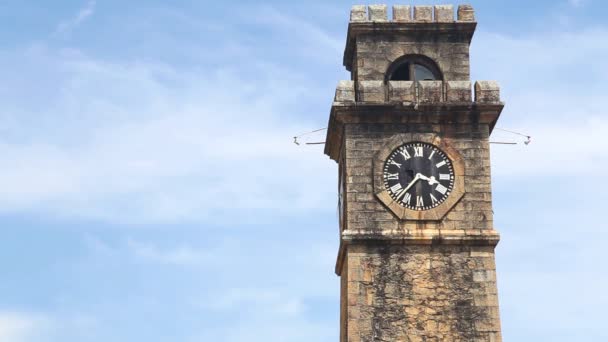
{"points": [[458, 91], [377, 13], [487, 92], [423, 13], [420, 293], [402, 13], [345, 92], [375, 54], [430, 91], [466, 13], [444, 13], [371, 91], [358, 13], [401, 91]]}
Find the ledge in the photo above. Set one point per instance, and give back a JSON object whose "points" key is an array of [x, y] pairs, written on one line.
{"points": [[440, 113], [425, 237]]}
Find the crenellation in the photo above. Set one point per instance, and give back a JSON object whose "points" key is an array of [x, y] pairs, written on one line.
{"points": [[345, 92], [487, 92], [377, 13], [458, 91], [358, 13], [430, 91], [402, 91], [466, 13], [371, 91], [444, 13], [423, 14], [402, 13], [421, 92]]}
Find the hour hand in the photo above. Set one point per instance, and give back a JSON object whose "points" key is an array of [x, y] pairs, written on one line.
{"points": [[431, 180]]}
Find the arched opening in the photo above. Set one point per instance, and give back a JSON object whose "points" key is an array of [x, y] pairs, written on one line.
{"points": [[413, 68]]}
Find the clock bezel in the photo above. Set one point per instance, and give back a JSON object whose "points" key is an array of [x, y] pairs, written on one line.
{"points": [[433, 214]]}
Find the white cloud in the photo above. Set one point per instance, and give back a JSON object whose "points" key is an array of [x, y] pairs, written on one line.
{"points": [[83, 14], [179, 256], [554, 92], [20, 327], [305, 37], [577, 3], [147, 142]]}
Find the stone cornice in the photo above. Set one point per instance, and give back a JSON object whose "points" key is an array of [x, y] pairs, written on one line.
{"points": [[405, 113]]}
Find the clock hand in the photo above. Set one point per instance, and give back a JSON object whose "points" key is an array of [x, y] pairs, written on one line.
{"points": [[431, 180], [416, 178]]}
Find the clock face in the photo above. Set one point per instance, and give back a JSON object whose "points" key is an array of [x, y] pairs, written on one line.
{"points": [[418, 176]]}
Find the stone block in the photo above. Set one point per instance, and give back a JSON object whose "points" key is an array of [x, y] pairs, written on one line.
{"points": [[487, 92], [458, 91], [358, 13], [430, 91], [444, 13], [371, 91], [377, 13], [402, 13], [423, 13], [345, 91], [401, 91], [466, 13]]}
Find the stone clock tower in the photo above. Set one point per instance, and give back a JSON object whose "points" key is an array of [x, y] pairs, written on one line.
{"points": [[417, 240]]}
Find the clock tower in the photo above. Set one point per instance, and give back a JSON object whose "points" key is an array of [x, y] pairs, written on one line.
{"points": [[417, 239]]}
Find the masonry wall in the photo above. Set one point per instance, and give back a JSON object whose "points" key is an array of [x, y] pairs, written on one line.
{"points": [[365, 213], [375, 53], [420, 293]]}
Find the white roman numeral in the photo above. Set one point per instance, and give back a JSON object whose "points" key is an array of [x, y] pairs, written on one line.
{"points": [[431, 155], [417, 151], [405, 154], [392, 176], [419, 201], [444, 176], [441, 163], [395, 188], [407, 198], [442, 189], [395, 163], [433, 199]]}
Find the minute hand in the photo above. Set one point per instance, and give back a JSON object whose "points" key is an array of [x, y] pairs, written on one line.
{"points": [[409, 185]]}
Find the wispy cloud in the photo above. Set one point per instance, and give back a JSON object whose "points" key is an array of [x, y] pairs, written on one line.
{"points": [[220, 142], [577, 3], [20, 327], [177, 256], [65, 27], [549, 95]]}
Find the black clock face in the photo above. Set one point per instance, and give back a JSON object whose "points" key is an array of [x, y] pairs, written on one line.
{"points": [[418, 176]]}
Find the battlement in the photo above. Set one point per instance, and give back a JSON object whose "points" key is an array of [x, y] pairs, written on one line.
{"points": [[413, 103], [404, 13], [416, 92]]}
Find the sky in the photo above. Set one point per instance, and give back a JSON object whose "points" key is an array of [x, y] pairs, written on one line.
{"points": [[150, 189]]}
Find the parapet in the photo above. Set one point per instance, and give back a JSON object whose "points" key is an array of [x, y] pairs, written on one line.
{"points": [[416, 92], [404, 13], [411, 102]]}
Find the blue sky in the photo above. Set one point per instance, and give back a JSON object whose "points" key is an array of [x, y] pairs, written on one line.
{"points": [[150, 191]]}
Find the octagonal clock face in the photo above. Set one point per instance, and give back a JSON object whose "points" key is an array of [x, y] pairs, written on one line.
{"points": [[418, 176]]}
